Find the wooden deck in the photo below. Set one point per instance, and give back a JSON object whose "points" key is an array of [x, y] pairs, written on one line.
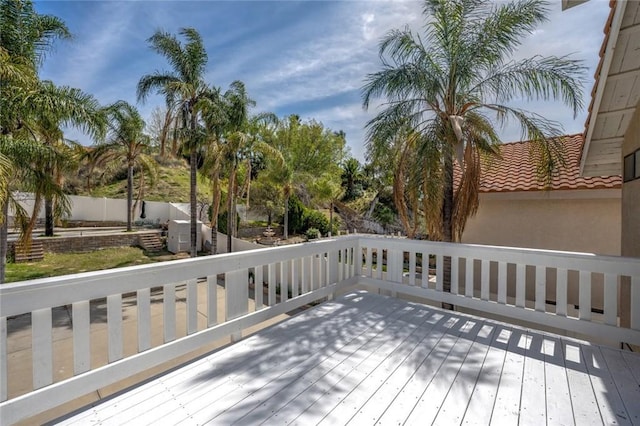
{"points": [[364, 359]]}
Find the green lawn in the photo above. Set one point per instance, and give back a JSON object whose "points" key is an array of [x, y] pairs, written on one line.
{"points": [[55, 264]]}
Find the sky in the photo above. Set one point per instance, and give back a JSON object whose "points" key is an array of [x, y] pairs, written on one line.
{"points": [[295, 57]]}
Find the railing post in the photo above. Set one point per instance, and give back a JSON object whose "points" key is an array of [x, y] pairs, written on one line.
{"points": [[4, 381], [635, 303]]}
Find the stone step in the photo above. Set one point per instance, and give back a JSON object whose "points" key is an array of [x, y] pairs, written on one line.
{"points": [[28, 252], [150, 242]]}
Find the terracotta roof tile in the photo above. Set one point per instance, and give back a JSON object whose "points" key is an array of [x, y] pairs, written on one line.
{"points": [[516, 171]]}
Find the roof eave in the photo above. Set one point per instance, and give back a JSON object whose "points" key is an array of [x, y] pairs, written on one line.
{"points": [[611, 41]]}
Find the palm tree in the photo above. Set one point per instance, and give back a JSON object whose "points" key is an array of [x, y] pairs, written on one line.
{"points": [[183, 88], [126, 143], [18, 158], [28, 104], [242, 141], [446, 90], [328, 189], [351, 176]]}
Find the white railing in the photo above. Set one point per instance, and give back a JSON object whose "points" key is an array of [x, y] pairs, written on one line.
{"points": [[310, 272], [555, 289], [581, 293]]}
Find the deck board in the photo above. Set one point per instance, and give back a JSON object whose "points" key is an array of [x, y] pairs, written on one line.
{"points": [[371, 359]]}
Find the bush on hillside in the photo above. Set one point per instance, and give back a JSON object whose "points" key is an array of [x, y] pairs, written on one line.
{"points": [[312, 233], [317, 220]]}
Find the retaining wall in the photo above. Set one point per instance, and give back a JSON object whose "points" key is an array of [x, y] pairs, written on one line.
{"points": [[87, 243]]}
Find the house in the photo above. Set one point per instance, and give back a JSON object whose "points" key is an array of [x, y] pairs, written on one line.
{"points": [[572, 212]]}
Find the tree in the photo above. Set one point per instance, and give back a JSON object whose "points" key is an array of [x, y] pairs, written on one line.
{"points": [[306, 149], [327, 189], [442, 89], [184, 88], [28, 105], [17, 158], [351, 177], [126, 143], [81, 110]]}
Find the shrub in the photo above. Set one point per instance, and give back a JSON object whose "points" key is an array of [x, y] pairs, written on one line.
{"points": [[296, 215], [317, 220], [312, 233], [222, 222]]}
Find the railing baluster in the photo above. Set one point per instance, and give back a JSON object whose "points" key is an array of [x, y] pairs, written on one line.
{"points": [[345, 264], [541, 290], [611, 299], [468, 281], [4, 380], [440, 272], [169, 312], [42, 348], [212, 297], [561, 292], [296, 267], [412, 268], [369, 262], [144, 319], [272, 284], [635, 303], [521, 284], [114, 325], [502, 282], [315, 273], [192, 306], [585, 296], [80, 313], [455, 275], [284, 280], [332, 268], [237, 297], [307, 261], [353, 267], [425, 270], [485, 284], [336, 259]]}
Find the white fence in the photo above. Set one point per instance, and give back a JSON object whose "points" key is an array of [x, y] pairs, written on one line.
{"points": [[108, 209], [310, 272]]}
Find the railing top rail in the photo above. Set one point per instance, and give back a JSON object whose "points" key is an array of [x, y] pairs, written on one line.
{"points": [[27, 296], [17, 298]]}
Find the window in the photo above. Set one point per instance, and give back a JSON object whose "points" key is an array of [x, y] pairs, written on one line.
{"points": [[631, 166]]}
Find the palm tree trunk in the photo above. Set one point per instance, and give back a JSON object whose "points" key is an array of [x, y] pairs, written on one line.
{"points": [[37, 205], [3, 239], [230, 211], [48, 207], [193, 159], [214, 239], [48, 216], [129, 196], [215, 208], [286, 217], [447, 221], [193, 184], [330, 218]]}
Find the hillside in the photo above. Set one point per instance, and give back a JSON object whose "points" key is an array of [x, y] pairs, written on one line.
{"points": [[172, 184]]}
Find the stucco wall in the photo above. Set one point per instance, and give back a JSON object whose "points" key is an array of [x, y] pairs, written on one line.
{"points": [[631, 194], [575, 224]]}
